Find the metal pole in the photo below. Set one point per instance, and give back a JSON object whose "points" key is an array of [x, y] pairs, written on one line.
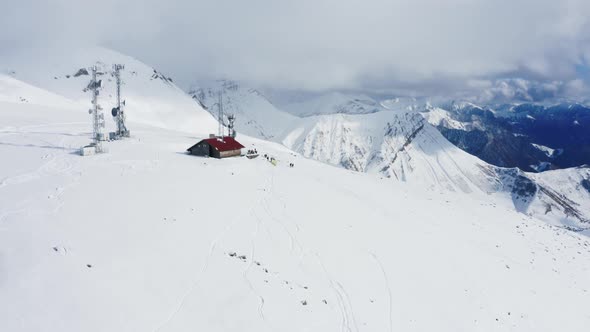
{"points": [[120, 118], [97, 117], [220, 116]]}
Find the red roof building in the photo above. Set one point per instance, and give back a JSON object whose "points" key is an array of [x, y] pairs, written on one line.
{"points": [[217, 147]]}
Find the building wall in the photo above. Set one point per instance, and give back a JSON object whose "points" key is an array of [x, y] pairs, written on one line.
{"points": [[231, 153], [215, 153], [201, 149], [204, 149]]}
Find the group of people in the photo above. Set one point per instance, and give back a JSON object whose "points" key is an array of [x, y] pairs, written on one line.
{"points": [[252, 151], [273, 161]]}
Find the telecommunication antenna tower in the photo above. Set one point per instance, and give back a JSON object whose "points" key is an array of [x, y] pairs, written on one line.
{"points": [[118, 112], [95, 111], [231, 119], [220, 116]]}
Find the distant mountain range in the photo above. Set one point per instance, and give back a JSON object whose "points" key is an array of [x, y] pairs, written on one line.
{"points": [[532, 137], [457, 147], [528, 136]]}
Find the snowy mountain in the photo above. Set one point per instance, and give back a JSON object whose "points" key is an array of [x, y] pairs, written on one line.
{"points": [[147, 238], [150, 96], [503, 135], [335, 103], [406, 143], [255, 115], [518, 135], [405, 147]]}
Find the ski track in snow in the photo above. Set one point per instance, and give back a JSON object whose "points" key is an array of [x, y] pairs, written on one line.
{"points": [[200, 276], [24, 129], [386, 280], [6, 213], [28, 176], [252, 259], [294, 243], [50, 168], [348, 322], [205, 267]]}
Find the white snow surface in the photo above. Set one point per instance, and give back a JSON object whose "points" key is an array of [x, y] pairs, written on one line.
{"points": [[150, 97], [147, 238], [158, 229], [547, 150], [439, 117]]}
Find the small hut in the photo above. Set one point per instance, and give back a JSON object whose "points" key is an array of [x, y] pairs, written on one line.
{"points": [[217, 147]]}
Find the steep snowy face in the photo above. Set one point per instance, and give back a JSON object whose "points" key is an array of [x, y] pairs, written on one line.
{"points": [[532, 137], [405, 147], [394, 145], [335, 103], [566, 190], [15, 91], [335, 139], [255, 114], [150, 96]]}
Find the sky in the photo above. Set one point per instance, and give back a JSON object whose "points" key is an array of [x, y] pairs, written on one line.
{"points": [[486, 49]]}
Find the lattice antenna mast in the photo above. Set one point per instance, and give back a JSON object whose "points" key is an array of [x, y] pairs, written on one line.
{"points": [[231, 119], [220, 119], [97, 116], [120, 113]]}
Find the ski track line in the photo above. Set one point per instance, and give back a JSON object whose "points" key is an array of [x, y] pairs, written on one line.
{"points": [[203, 270], [378, 261], [295, 245], [28, 176], [48, 169], [5, 214], [292, 240], [347, 304], [24, 130], [280, 198], [344, 314], [252, 254], [191, 288]]}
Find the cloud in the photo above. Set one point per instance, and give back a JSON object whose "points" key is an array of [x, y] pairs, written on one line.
{"points": [[419, 47], [521, 90]]}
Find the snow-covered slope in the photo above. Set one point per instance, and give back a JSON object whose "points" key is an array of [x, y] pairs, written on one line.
{"points": [[402, 143], [146, 238], [255, 115], [151, 97], [405, 147], [15, 91], [437, 116]]}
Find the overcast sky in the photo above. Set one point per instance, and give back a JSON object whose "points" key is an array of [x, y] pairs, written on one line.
{"points": [[416, 47]]}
